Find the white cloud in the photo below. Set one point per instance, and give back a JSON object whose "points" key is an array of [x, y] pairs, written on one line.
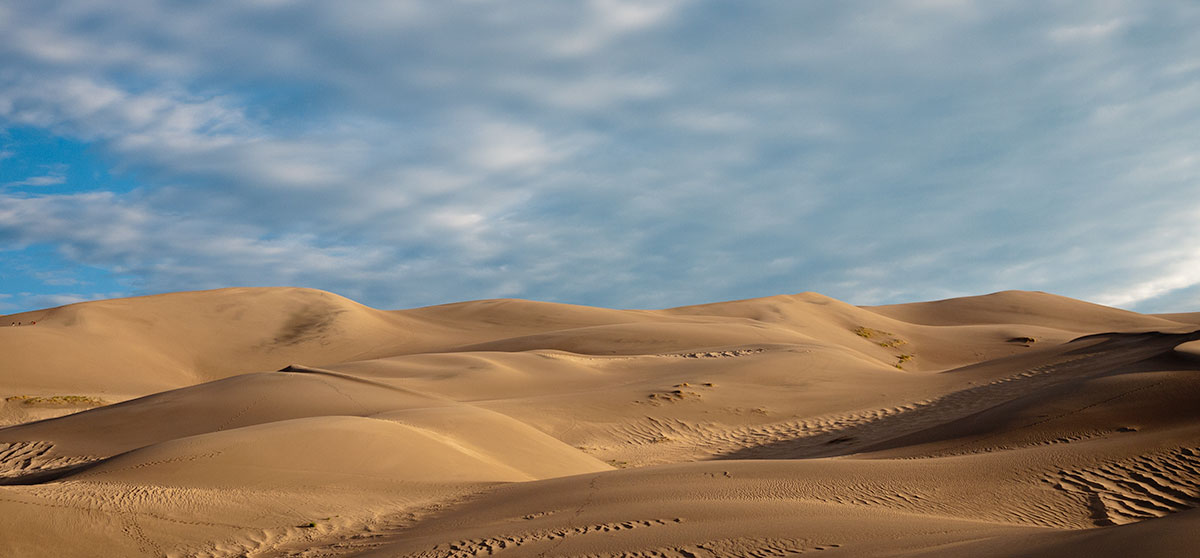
{"points": [[63, 299], [44, 180], [1182, 67], [610, 19], [93, 110], [1086, 32], [594, 92], [706, 121], [170, 253], [502, 146], [1130, 297]]}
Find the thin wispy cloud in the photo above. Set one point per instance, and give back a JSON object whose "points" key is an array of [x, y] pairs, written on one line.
{"points": [[44, 180], [623, 153], [1087, 31]]}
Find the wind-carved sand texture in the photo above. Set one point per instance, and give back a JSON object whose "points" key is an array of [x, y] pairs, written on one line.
{"points": [[294, 422]]}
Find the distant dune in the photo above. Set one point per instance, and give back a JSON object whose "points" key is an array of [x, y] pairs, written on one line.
{"points": [[274, 422]]}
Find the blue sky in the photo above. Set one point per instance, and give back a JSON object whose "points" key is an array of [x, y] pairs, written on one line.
{"points": [[624, 153]]}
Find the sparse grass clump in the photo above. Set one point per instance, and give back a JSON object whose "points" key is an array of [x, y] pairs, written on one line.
{"points": [[56, 400], [887, 340], [674, 394], [870, 333]]}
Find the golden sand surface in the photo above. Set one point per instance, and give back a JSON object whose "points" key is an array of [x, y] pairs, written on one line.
{"points": [[268, 422]]}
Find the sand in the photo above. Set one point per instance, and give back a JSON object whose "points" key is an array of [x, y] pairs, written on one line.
{"points": [[294, 422]]}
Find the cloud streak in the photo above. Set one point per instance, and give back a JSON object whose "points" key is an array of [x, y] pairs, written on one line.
{"points": [[44, 180]]}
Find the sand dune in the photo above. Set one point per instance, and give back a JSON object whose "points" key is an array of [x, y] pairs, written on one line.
{"points": [[344, 450], [293, 422]]}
